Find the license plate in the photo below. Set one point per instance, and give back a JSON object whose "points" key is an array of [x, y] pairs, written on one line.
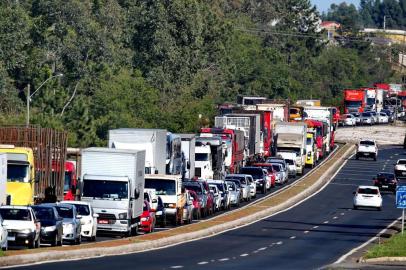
{"points": [[11, 238], [103, 221], [385, 186], [367, 154]]}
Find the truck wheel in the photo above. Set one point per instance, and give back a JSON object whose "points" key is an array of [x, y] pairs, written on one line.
{"points": [[375, 158]]}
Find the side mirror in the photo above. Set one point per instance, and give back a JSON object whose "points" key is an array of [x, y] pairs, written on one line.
{"points": [[154, 200], [95, 215]]}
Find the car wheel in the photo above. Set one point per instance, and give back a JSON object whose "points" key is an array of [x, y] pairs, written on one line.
{"points": [[55, 242], [355, 207], [93, 238]]}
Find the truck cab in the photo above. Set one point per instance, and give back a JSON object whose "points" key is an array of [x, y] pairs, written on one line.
{"points": [[311, 150], [169, 188], [203, 161], [20, 174]]}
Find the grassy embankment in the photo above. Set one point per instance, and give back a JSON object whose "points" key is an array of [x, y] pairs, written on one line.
{"points": [[394, 247]]}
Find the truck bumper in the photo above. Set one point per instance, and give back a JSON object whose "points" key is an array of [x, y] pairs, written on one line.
{"points": [[120, 225]]}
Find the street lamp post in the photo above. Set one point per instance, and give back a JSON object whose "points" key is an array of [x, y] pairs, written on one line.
{"points": [[29, 95]]}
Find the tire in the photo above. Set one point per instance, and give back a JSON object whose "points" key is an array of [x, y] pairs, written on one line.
{"points": [[355, 207], [375, 158], [379, 208], [55, 242], [356, 157], [93, 239]]}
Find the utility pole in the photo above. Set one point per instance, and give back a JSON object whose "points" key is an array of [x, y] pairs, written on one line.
{"points": [[27, 123]]}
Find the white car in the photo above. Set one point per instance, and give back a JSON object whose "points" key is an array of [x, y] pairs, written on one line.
{"points": [[349, 120], [23, 227], [151, 197], [368, 196], [245, 186], [217, 197], [367, 148], [400, 168], [3, 235], [383, 118], [88, 219]]}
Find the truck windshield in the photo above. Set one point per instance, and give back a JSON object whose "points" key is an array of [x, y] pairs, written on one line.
{"points": [[194, 188], [17, 172], [105, 189], [370, 101], [162, 187], [202, 157], [289, 149], [350, 103], [309, 141]]}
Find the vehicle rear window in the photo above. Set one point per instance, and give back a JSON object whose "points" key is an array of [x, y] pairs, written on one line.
{"points": [[289, 161], [367, 143], [389, 176], [255, 172], [15, 214], [196, 188], [371, 191]]}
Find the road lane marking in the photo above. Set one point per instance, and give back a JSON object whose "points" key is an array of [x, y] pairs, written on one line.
{"points": [[263, 248], [176, 266], [315, 227], [244, 255], [335, 217], [255, 251], [224, 259], [342, 214], [292, 237], [202, 263], [279, 243], [325, 222], [306, 231]]}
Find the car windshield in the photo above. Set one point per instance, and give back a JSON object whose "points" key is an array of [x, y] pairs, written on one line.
{"points": [[44, 213], [236, 182], [366, 143], [289, 161], [255, 172], [276, 167], [402, 161], [309, 141], [15, 214], [366, 114], [350, 103], [230, 186], [105, 189], [368, 191], [220, 186], [82, 209], [349, 116], [241, 178], [355, 114], [162, 187], [389, 176], [213, 188], [65, 212], [17, 172], [195, 188], [202, 157]]}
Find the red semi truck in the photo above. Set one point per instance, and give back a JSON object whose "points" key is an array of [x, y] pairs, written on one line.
{"points": [[234, 141], [354, 100]]}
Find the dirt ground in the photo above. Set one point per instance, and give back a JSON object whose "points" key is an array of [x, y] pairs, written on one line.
{"points": [[383, 134]]}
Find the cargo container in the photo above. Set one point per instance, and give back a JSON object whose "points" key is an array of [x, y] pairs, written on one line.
{"points": [[112, 182], [153, 141], [188, 152]]}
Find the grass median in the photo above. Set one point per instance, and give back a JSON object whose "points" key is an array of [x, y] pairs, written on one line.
{"points": [[394, 247]]}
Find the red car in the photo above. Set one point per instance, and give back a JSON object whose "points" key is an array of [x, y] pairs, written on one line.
{"points": [[148, 219], [210, 198], [197, 205], [271, 175]]}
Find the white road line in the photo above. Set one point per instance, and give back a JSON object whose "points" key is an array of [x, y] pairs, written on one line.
{"points": [[335, 217], [176, 266], [306, 231], [342, 214], [224, 259], [255, 251], [279, 243], [202, 263], [325, 222], [292, 237], [244, 255], [315, 227], [263, 248]]}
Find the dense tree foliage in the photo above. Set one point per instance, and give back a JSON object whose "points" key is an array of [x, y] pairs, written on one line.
{"points": [[161, 63]]}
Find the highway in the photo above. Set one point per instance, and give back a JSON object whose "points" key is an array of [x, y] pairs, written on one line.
{"points": [[311, 235]]}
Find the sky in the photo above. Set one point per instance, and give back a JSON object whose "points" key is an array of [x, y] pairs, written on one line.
{"points": [[323, 5]]}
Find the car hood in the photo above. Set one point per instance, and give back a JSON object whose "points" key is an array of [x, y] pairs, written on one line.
{"points": [[18, 224]]}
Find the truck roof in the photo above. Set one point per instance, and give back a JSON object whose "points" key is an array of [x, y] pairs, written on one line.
{"points": [[137, 129], [110, 150], [163, 176]]}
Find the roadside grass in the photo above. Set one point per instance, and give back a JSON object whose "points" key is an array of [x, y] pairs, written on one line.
{"points": [[394, 247], [2, 253]]}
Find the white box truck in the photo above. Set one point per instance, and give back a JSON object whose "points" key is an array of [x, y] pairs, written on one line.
{"points": [[3, 179], [188, 151], [112, 181], [153, 141], [291, 138]]}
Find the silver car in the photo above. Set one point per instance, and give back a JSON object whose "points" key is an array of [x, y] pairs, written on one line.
{"points": [[72, 227], [234, 192], [367, 118], [243, 185]]}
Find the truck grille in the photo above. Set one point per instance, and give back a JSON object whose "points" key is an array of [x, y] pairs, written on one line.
{"points": [[198, 172], [107, 216]]}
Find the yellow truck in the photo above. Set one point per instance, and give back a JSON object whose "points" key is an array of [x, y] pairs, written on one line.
{"points": [[20, 174], [311, 150]]}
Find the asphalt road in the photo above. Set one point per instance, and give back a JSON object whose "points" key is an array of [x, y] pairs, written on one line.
{"points": [[308, 236]]}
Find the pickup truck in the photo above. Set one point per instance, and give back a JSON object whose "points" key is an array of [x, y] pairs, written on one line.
{"points": [[368, 149], [400, 168]]}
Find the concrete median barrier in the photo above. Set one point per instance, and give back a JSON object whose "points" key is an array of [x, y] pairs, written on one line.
{"points": [[289, 197]]}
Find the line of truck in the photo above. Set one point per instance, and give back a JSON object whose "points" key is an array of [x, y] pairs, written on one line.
{"points": [[112, 179]]}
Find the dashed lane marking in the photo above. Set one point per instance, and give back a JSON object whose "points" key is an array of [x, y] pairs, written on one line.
{"points": [[224, 259], [325, 222], [279, 243], [244, 255], [306, 231], [202, 263], [315, 227], [292, 237], [263, 248], [177, 266], [335, 217]]}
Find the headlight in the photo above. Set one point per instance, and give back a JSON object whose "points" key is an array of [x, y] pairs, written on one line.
{"points": [[50, 228], [122, 216], [68, 226], [26, 231]]}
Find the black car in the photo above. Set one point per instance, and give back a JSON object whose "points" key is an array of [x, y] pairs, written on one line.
{"points": [[259, 177], [386, 181], [51, 224]]}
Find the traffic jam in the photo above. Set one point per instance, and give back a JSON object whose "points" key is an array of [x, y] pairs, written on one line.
{"points": [[151, 179]]}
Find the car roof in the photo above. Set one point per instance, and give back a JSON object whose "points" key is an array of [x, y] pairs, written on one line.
{"points": [[215, 181], [15, 207], [75, 202], [238, 174]]}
